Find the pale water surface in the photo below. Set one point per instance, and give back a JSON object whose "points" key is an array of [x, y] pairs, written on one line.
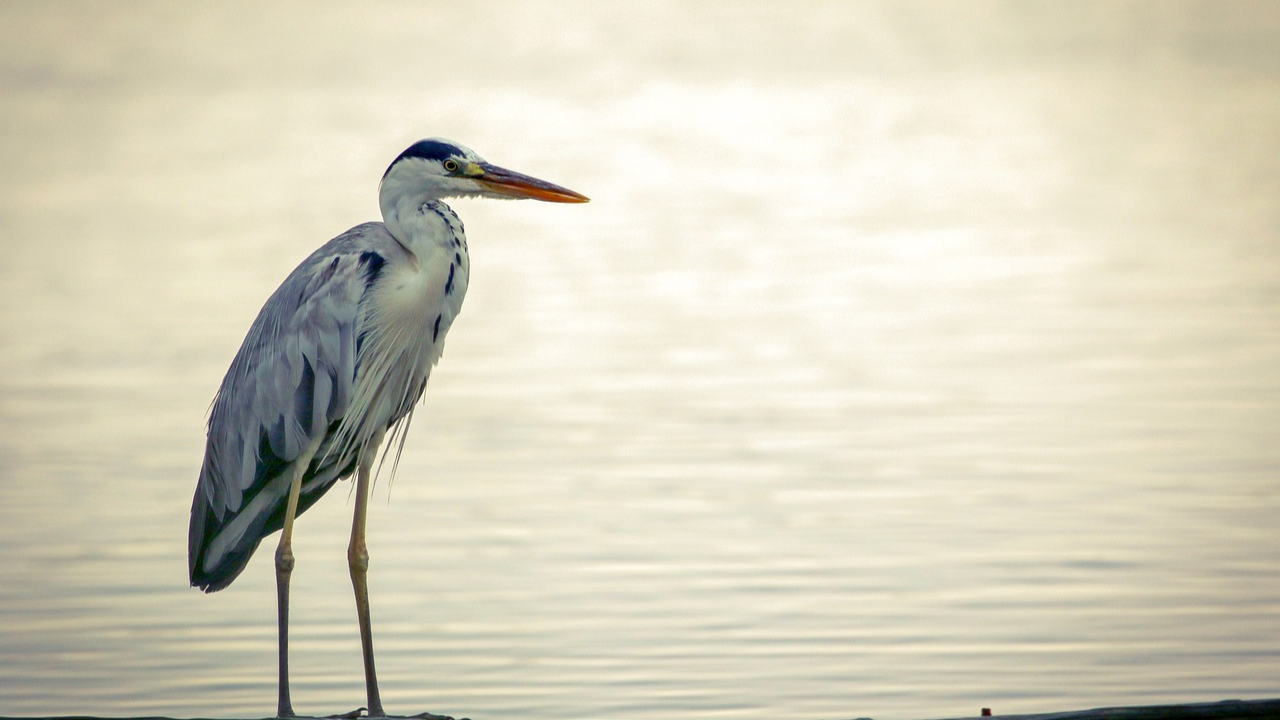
{"points": [[910, 358]]}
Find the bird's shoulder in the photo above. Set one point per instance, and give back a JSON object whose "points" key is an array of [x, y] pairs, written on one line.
{"points": [[338, 271], [370, 237]]}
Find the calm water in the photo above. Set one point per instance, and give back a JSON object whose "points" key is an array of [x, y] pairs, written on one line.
{"points": [[909, 360]]}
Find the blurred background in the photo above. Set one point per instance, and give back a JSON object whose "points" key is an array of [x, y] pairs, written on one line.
{"points": [[910, 358]]}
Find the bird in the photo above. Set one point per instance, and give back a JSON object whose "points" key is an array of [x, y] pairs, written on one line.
{"points": [[333, 365]]}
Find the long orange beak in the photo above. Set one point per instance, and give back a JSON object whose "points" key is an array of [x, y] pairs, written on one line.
{"points": [[514, 184]]}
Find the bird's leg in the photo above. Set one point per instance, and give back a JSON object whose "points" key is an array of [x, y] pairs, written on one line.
{"points": [[358, 562], [284, 568]]}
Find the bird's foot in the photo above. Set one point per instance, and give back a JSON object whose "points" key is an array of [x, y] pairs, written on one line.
{"points": [[361, 712]]}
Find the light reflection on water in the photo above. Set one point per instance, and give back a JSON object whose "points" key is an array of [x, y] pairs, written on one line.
{"points": [[901, 365]]}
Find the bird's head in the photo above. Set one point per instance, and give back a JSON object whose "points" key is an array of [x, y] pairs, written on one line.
{"points": [[436, 168]]}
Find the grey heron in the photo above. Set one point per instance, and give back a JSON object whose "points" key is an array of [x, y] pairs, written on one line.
{"points": [[334, 363]]}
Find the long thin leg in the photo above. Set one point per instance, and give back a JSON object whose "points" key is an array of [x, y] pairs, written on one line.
{"points": [[358, 562], [284, 569]]}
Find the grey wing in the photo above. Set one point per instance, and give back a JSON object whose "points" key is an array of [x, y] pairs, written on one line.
{"points": [[289, 385]]}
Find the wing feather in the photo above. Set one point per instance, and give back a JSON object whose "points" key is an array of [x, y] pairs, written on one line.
{"points": [[290, 384]]}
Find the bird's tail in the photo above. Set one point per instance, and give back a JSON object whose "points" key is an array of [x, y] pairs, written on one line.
{"points": [[219, 548], [212, 570]]}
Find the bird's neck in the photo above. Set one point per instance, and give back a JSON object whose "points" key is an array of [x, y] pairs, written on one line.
{"points": [[417, 222]]}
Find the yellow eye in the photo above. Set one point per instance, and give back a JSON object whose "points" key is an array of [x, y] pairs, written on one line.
{"points": [[451, 165]]}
